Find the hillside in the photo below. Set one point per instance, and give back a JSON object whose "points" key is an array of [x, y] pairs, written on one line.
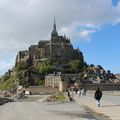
{"points": [[49, 56]]}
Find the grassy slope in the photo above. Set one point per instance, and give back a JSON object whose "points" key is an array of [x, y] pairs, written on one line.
{"points": [[8, 84]]}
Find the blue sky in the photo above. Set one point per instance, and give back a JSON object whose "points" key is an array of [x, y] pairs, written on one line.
{"points": [[115, 2], [104, 49], [93, 26]]}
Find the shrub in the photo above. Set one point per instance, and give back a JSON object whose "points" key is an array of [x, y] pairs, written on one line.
{"points": [[22, 65]]}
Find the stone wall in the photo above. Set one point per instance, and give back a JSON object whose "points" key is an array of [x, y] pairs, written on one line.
{"points": [[37, 90], [104, 87]]}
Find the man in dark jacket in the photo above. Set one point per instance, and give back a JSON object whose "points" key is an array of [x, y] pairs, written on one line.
{"points": [[97, 96]]}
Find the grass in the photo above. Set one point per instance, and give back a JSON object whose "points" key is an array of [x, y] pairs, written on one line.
{"points": [[8, 84], [61, 97]]}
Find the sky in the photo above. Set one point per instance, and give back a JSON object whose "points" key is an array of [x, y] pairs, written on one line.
{"points": [[91, 25]]}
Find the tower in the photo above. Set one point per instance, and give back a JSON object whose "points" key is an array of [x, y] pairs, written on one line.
{"points": [[54, 31]]}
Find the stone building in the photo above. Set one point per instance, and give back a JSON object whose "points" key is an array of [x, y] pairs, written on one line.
{"points": [[22, 56], [60, 81], [53, 80], [56, 80], [57, 48]]}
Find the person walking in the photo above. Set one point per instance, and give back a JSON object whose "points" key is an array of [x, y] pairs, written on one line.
{"points": [[70, 98], [84, 92], [97, 96]]}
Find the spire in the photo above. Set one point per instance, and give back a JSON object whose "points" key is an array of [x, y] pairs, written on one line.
{"points": [[54, 31], [54, 26]]}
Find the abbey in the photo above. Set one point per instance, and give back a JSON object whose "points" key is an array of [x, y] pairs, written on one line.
{"points": [[57, 48]]}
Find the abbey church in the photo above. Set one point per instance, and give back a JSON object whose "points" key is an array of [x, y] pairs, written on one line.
{"points": [[57, 48], [56, 60]]}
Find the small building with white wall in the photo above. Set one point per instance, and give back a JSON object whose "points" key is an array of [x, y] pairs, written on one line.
{"points": [[53, 80]]}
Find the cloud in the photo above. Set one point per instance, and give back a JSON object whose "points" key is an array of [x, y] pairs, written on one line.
{"points": [[25, 22], [78, 31], [87, 34], [6, 64]]}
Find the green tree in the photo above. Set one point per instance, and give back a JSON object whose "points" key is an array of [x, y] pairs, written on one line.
{"points": [[77, 65], [47, 69], [40, 82], [22, 65]]}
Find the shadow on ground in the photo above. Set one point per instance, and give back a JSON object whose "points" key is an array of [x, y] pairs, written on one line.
{"points": [[110, 106], [98, 116], [74, 114]]}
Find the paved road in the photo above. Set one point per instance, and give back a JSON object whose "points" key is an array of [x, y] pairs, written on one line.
{"points": [[37, 110], [109, 110]]}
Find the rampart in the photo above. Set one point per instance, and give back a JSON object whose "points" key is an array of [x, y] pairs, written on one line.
{"points": [[102, 86]]}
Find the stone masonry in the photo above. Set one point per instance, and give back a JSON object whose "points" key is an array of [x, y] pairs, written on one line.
{"points": [[57, 48]]}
